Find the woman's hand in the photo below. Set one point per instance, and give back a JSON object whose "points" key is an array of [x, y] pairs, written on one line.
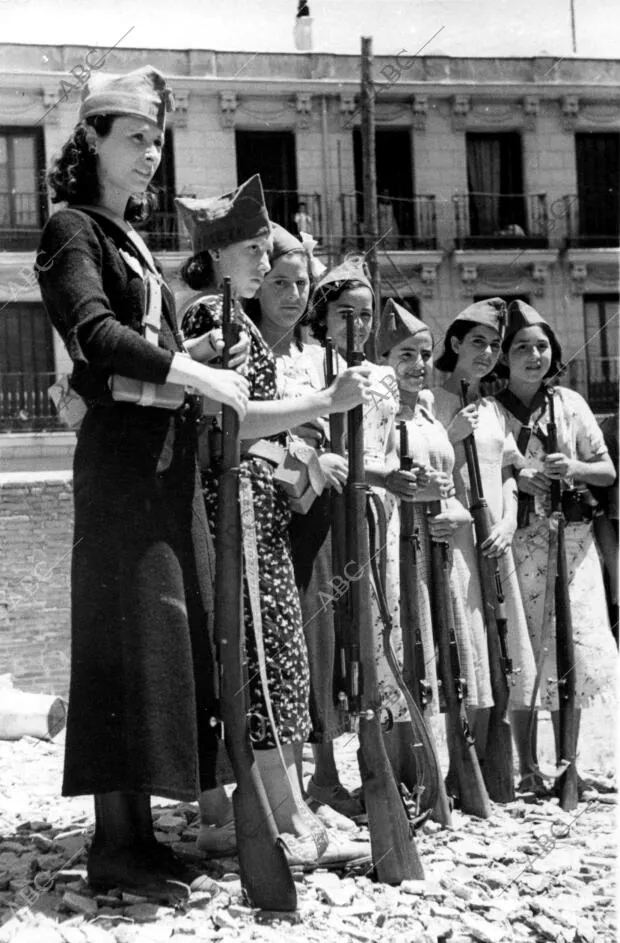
{"points": [[437, 486], [209, 346], [532, 481], [402, 483], [223, 386], [350, 389], [335, 468], [443, 526], [500, 538], [464, 423], [557, 465]]}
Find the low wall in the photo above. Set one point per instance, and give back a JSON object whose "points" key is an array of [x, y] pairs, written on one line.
{"points": [[36, 529]]}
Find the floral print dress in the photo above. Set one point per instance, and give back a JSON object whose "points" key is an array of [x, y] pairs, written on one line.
{"points": [[596, 657], [496, 449], [285, 649]]}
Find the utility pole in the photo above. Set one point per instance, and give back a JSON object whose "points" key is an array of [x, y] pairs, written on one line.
{"points": [[369, 169]]}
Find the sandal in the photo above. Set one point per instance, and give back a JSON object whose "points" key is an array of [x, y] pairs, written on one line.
{"points": [[337, 797], [341, 852], [535, 784]]}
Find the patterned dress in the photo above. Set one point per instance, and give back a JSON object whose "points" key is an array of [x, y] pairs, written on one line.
{"points": [[496, 450], [429, 445], [285, 649], [596, 657]]}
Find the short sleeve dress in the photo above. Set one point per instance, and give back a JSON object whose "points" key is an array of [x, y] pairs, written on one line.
{"points": [[285, 648], [496, 450], [596, 657]]}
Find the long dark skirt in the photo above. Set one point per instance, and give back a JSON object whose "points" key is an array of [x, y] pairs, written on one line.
{"points": [[142, 673]]}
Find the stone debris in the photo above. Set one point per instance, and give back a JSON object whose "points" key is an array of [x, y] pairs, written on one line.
{"points": [[529, 874]]}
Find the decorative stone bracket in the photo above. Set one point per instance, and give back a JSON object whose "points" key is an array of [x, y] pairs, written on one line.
{"points": [[428, 277], [579, 275], [181, 106], [531, 109], [228, 109], [348, 110], [469, 278], [50, 106], [570, 110], [419, 106], [461, 106], [540, 274], [303, 107]]}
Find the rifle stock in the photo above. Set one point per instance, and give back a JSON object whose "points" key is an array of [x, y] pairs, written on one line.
{"points": [[394, 851], [568, 781], [473, 795], [498, 760], [414, 663], [264, 870]]}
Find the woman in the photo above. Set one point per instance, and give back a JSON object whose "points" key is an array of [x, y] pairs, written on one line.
{"points": [[141, 692], [228, 240], [534, 359], [406, 344], [470, 351], [342, 293], [277, 311]]}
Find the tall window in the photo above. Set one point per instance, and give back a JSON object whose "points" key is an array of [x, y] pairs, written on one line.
{"points": [[26, 366], [22, 202], [598, 178], [495, 184], [600, 313], [161, 231], [395, 205], [272, 155]]}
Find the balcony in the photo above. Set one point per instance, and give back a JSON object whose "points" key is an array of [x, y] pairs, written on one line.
{"points": [[404, 223], [592, 222], [596, 378], [501, 220], [24, 403], [20, 220]]}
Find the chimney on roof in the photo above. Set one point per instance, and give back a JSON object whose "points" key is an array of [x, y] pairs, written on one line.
{"points": [[303, 27]]}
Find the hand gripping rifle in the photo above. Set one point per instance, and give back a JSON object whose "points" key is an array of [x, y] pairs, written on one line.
{"points": [[472, 791], [394, 852], [498, 767], [414, 671], [567, 785], [265, 874]]}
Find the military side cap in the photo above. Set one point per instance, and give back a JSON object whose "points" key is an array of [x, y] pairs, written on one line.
{"points": [[221, 221], [521, 315], [142, 93], [490, 313], [348, 271], [283, 242], [396, 325]]}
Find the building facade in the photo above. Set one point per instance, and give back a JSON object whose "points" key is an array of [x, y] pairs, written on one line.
{"points": [[494, 177]]}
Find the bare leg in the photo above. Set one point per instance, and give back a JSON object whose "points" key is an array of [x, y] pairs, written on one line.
{"points": [[290, 812], [325, 769], [555, 719]]}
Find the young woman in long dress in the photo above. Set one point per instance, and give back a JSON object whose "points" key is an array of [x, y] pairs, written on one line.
{"points": [[533, 358], [470, 351]]}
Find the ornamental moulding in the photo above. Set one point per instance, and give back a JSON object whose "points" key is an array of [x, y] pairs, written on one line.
{"points": [[461, 106], [570, 111], [228, 108], [303, 107], [181, 106], [419, 106]]}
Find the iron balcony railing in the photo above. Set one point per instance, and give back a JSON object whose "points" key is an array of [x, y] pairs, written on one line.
{"points": [[592, 220], [24, 402], [21, 216], [501, 220], [596, 378], [404, 222]]}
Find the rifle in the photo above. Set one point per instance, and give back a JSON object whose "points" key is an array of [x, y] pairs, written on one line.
{"points": [[472, 791], [264, 870], [414, 673], [498, 764], [567, 784], [394, 852], [346, 669]]}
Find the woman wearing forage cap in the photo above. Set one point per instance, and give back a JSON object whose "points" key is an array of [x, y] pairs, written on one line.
{"points": [[470, 352], [533, 357], [406, 344], [231, 235], [141, 693]]}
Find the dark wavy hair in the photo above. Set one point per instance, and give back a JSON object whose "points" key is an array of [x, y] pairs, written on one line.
{"points": [[557, 366], [252, 306], [72, 177], [317, 311], [198, 271], [447, 360]]}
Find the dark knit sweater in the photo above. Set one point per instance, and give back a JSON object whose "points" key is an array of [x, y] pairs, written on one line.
{"points": [[96, 301]]}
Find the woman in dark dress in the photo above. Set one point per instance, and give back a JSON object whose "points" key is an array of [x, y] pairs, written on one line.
{"points": [[141, 692]]}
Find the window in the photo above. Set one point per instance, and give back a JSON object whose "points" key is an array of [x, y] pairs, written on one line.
{"points": [[161, 232], [598, 175], [23, 204], [395, 204], [26, 367], [272, 155], [600, 314]]}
